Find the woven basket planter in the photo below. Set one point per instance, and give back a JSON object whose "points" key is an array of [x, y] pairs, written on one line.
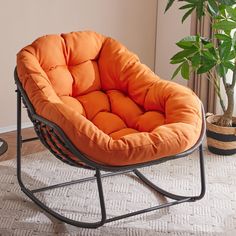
{"points": [[220, 140]]}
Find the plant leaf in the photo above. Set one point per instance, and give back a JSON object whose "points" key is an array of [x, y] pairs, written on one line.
{"points": [[221, 70], [190, 5], [232, 12], [222, 10], [177, 61], [183, 54], [185, 44], [209, 56], [176, 71], [225, 25], [213, 7], [169, 4], [225, 49], [213, 52], [222, 37], [185, 16], [205, 68], [232, 55], [227, 2], [200, 8], [208, 45], [196, 60], [228, 65], [192, 38], [185, 70]]}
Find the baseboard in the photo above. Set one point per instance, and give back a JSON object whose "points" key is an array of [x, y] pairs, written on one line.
{"points": [[13, 127]]}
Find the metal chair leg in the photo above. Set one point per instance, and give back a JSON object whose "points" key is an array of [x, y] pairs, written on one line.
{"points": [[174, 196]]}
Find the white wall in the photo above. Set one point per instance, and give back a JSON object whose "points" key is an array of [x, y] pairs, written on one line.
{"points": [[130, 21], [169, 31]]}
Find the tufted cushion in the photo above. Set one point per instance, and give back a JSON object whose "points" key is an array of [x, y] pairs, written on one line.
{"points": [[113, 108]]}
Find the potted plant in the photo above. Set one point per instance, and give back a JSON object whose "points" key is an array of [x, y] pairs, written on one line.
{"points": [[214, 57]]}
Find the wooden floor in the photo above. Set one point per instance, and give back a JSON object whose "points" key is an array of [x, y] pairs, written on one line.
{"points": [[27, 148]]}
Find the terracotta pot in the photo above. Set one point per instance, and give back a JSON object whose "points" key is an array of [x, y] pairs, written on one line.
{"points": [[220, 140]]}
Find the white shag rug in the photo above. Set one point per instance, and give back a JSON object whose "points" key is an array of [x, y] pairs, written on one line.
{"points": [[214, 215]]}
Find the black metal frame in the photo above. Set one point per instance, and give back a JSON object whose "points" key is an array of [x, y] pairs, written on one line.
{"points": [[59, 144]]}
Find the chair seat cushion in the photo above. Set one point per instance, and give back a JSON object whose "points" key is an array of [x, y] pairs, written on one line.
{"points": [[114, 109]]}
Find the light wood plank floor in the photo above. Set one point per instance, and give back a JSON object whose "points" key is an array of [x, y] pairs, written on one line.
{"points": [[27, 148]]}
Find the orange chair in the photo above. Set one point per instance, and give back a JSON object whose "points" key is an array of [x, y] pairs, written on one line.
{"points": [[94, 105]]}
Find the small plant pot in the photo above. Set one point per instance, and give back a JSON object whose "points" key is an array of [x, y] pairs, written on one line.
{"points": [[220, 140]]}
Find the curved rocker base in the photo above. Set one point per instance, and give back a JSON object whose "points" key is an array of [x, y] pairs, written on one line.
{"points": [[177, 199], [98, 177]]}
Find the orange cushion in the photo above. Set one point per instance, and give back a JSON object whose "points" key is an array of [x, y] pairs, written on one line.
{"points": [[113, 108]]}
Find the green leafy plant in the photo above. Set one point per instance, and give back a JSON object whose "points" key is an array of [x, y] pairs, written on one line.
{"points": [[213, 56]]}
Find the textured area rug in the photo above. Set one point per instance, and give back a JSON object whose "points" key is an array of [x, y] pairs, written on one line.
{"points": [[214, 215]]}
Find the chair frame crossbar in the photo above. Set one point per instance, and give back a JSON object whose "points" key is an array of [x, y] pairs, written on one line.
{"points": [[56, 141]]}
